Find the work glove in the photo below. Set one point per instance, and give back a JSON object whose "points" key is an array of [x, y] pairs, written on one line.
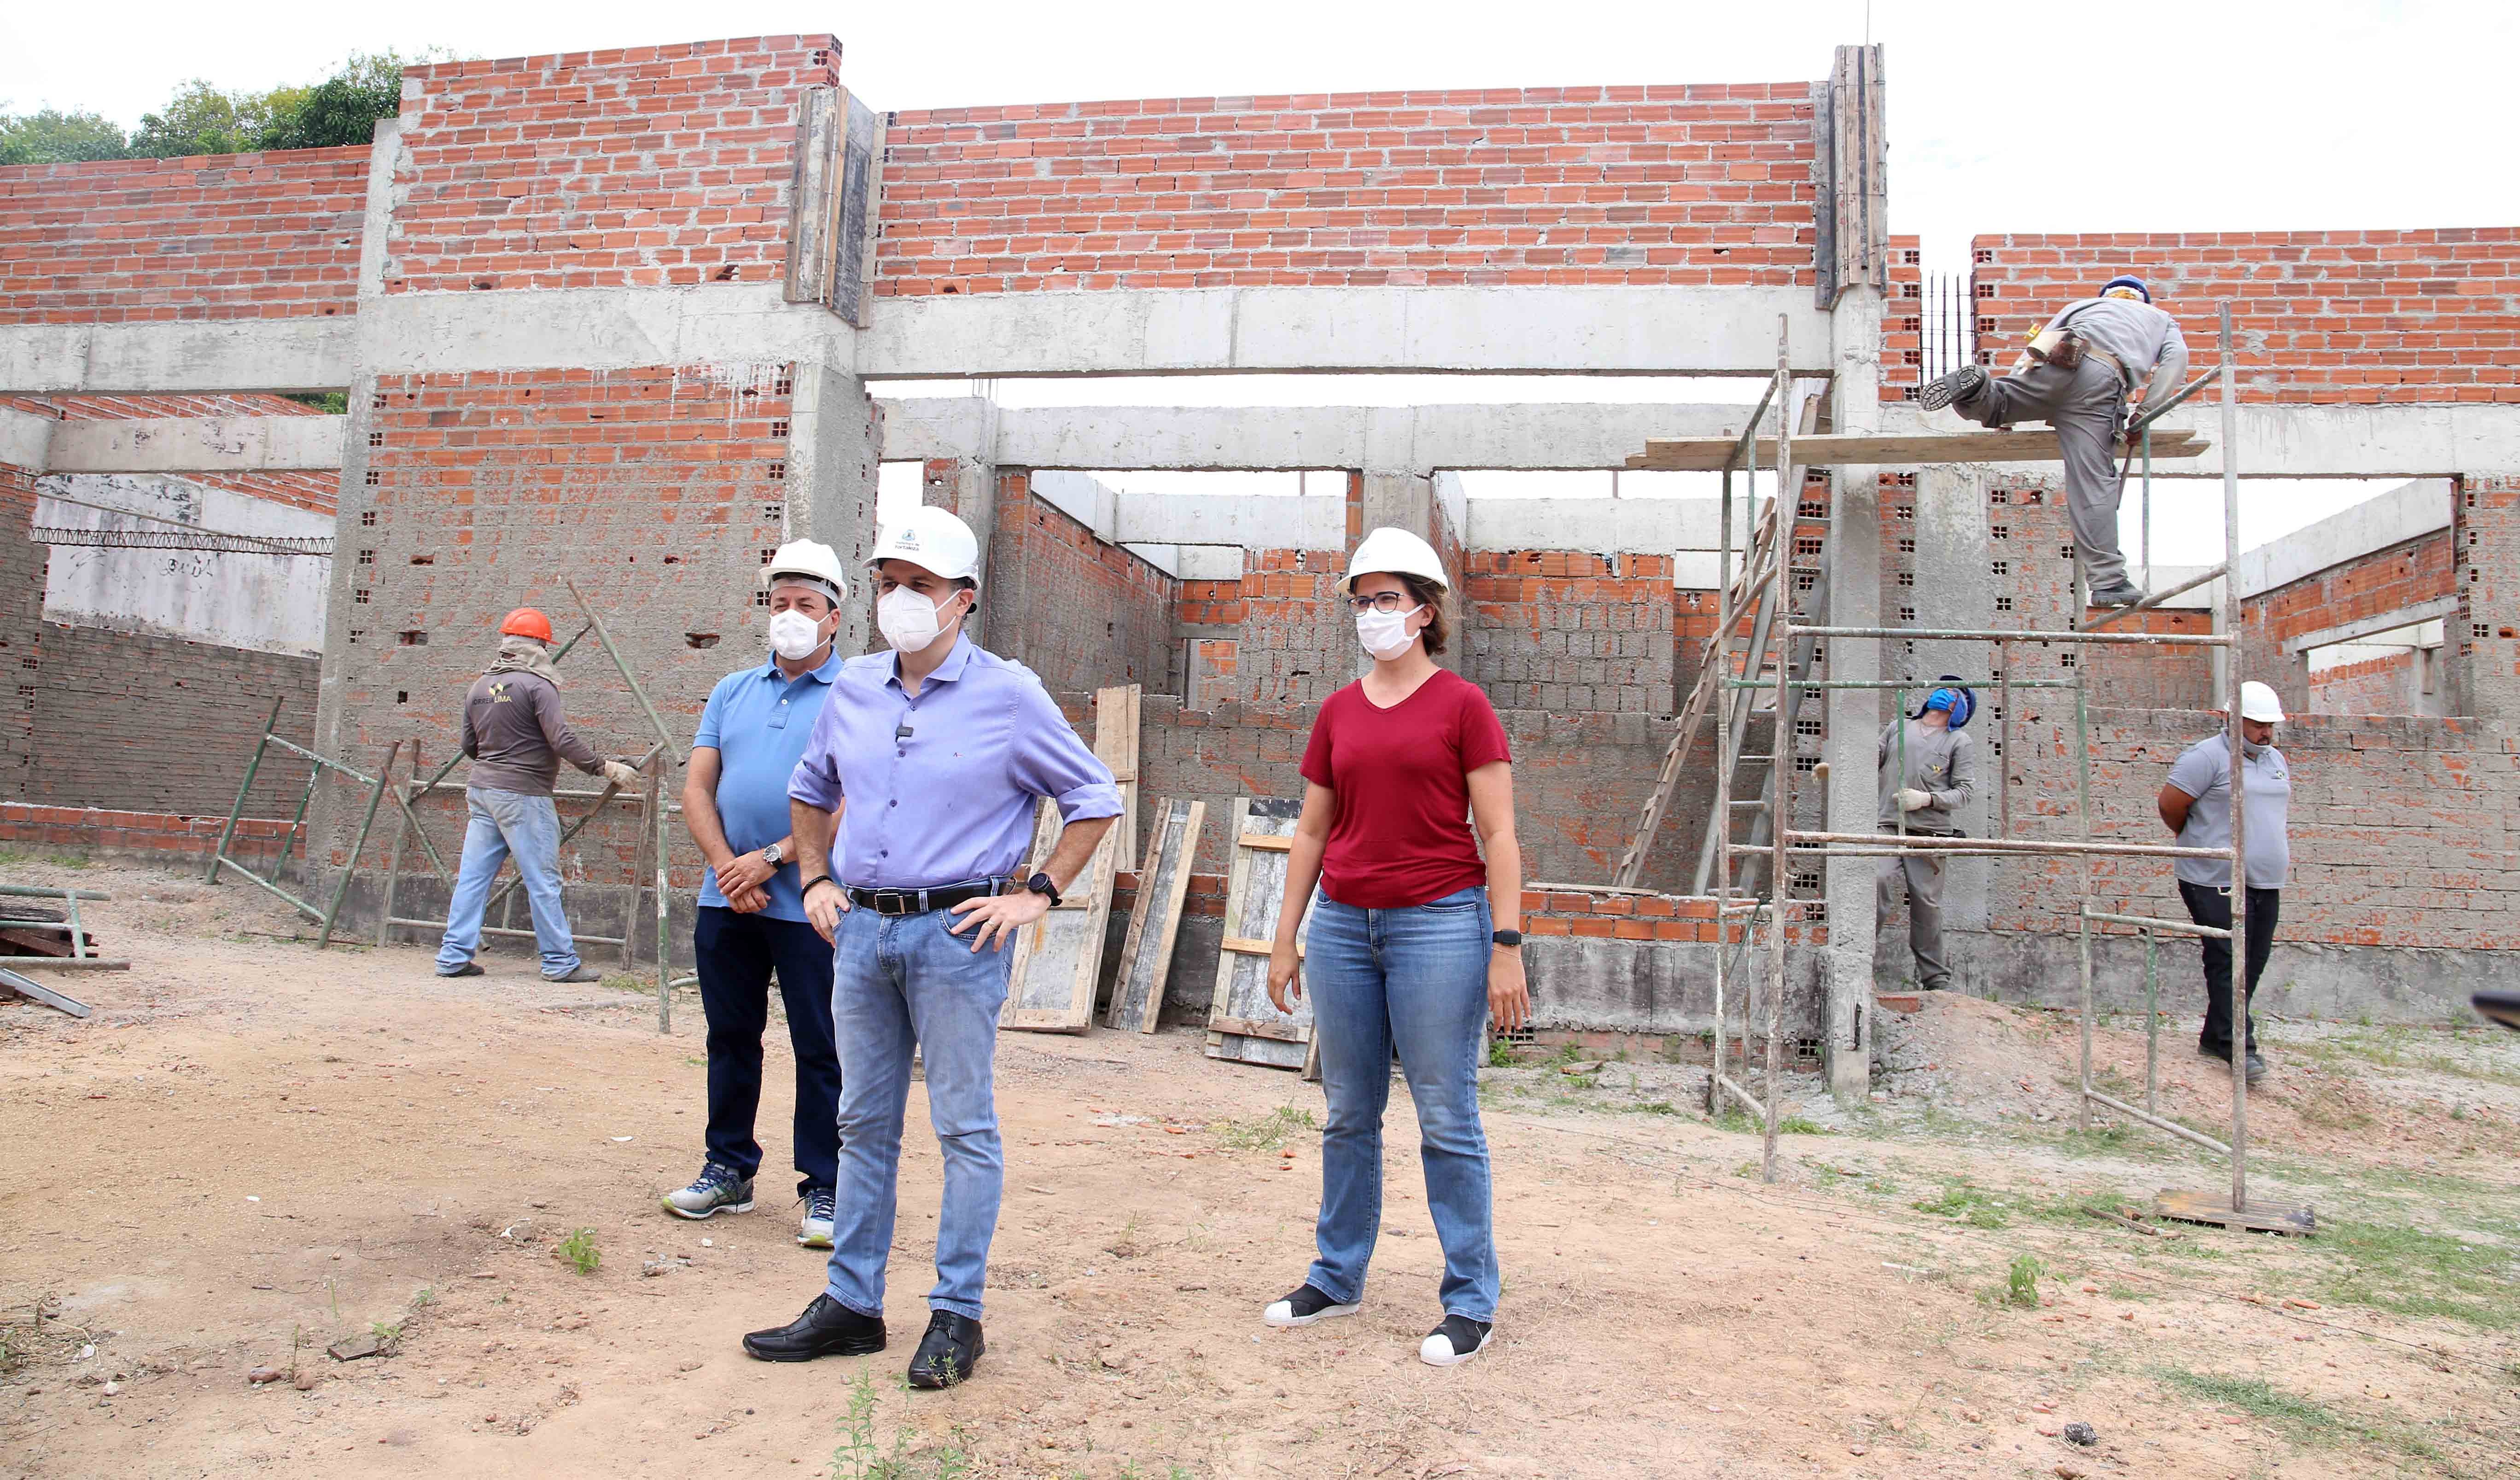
{"points": [[621, 775], [1909, 799]]}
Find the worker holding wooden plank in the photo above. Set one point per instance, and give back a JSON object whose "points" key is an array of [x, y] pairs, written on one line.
{"points": [[751, 918], [912, 809], [1415, 943], [2078, 374]]}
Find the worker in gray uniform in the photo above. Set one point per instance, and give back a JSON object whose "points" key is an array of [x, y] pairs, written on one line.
{"points": [[2078, 374], [1928, 773]]}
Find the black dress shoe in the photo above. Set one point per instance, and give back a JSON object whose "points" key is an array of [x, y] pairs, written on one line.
{"points": [[948, 1352], [827, 1329]]}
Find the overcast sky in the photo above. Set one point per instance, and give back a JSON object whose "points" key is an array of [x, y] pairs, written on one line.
{"points": [[2201, 116]]}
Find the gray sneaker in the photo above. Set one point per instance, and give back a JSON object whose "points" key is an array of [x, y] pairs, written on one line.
{"points": [[2123, 594], [815, 1231], [719, 1188], [578, 973]]}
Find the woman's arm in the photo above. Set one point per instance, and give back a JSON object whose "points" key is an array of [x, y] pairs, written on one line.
{"points": [[1303, 871], [1492, 814]]}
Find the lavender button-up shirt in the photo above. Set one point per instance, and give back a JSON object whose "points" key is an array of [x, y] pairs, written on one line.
{"points": [[941, 787]]}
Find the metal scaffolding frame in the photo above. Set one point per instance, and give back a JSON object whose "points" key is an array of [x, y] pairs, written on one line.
{"points": [[1772, 907]]}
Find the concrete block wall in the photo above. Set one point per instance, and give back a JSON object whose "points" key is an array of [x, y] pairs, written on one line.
{"points": [[1081, 614], [646, 166], [1565, 630], [2372, 686], [254, 235], [155, 724], [1697, 185], [2371, 585], [2322, 317], [2485, 632]]}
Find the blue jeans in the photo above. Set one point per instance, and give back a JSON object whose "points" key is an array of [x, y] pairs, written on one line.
{"points": [[505, 822], [735, 954], [899, 983], [1413, 979]]}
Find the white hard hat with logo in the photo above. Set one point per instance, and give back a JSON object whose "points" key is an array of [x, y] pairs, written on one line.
{"points": [[931, 538], [1396, 552], [2258, 702], [811, 562]]}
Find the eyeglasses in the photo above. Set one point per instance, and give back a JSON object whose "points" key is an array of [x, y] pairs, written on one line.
{"points": [[1384, 601]]}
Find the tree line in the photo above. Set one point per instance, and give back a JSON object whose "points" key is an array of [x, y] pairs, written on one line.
{"points": [[201, 119]]}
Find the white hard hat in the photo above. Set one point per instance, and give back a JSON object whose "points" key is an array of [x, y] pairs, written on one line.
{"points": [[931, 538], [810, 561], [2259, 703], [1396, 552]]}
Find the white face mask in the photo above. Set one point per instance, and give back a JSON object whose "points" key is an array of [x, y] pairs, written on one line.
{"points": [[793, 635], [1385, 634], [907, 619]]}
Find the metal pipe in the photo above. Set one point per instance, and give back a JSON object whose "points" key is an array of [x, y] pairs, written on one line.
{"points": [[2239, 788], [323, 761], [2010, 844], [2145, 421], [2004, 738], [2177, 927], [309, 910], [574, 828], [604, 635], [2151, 1024], [79, 933], [314, 777], [46, 891], [2156, 1122], [1782, 772], [358, 844], [227, 835], [65, 963], [433, 925], [1727, 1085], [1889, 683], [2211, 576], [393, 866], [656, 812], [2083, 819], [1986, 635]]}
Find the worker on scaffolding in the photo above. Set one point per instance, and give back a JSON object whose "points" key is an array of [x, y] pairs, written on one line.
{"points": [[2195, 803], [2079, 375], [516, 736], [1928, 773]]}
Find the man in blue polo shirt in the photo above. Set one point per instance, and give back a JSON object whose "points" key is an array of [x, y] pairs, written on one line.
{"points": [[752, 919]]}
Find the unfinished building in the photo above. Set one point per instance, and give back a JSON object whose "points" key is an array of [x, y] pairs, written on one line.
{"points": [[628, 316]]}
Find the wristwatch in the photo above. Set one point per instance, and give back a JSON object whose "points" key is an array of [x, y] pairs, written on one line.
{"points": [[1040, 884], [1506, 937], [772, 856]]}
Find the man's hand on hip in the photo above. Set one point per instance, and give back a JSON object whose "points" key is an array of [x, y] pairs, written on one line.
{"points": [[999, 917]]}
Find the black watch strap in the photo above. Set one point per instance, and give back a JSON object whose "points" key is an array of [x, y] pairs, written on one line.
{"points": [[1040, 884], [1506, 937]]}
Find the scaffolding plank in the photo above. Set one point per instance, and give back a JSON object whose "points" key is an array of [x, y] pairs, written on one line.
{"points": [[2258, 1217], [1254, 892], [1059, 958], [1154, 919], [34, 991], [1839, 449]]}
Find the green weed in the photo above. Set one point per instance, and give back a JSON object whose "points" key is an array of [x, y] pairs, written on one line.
{"points": [[1280, 1124], [388, 1337], [578, 1249], [2022, 1282], [1801, 1125], [1963, 1203], [2300, 1417], [2413, 1273]]}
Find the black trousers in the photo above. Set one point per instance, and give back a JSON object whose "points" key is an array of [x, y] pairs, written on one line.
{"points": [[737, 955], [2209, 905]]}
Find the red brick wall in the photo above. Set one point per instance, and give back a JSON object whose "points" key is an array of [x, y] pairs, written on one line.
{"points": [[2374, 686], [157, 724], [1699, 184], [147, 835], [212, 237], [22, 563], [640, 168], [1080, 613], [2322, 317], [315, 492], [1903, 331], [1566, 630]]}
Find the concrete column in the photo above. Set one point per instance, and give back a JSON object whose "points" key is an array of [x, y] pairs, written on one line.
{"points": [[831, 477], [1855, 716], [1955, 587], [1401, 501]]}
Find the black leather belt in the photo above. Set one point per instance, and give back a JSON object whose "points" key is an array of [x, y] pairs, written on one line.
{"points": [[922, 901]]}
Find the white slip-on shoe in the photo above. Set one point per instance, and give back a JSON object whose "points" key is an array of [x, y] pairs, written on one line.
{"points": [[1456, 1341], [1306, 1306]]}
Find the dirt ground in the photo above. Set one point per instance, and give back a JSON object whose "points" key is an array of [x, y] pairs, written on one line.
{"points": [[253, 1150]]}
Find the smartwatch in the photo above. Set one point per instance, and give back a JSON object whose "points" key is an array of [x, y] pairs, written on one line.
{"points": [[772, 856], [1506, 937], [1040, 884]]}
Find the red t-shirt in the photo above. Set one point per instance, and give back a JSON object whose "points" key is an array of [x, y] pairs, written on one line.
{"points": [[1403, 835]]}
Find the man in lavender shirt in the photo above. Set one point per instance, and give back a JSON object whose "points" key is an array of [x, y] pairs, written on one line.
{"points": [[927, 763]]}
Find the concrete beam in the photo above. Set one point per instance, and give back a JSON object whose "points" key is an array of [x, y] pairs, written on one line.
{"points": [[200, 444], [1227, 330], [2436, 609], [2408, 511], [596, 328], [1540, 436], [1649, 527], [211, 355], [25, 438], [2412, 441], [1316, 522]]}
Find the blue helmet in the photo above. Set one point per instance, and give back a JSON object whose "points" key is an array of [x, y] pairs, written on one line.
{"points": [[1955, 697], [2127, 279]]}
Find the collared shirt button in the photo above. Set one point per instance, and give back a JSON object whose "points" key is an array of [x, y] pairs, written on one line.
{"points": [[895, 802]]}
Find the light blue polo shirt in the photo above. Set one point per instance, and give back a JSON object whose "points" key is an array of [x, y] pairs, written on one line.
{"points": [[760, 722]]}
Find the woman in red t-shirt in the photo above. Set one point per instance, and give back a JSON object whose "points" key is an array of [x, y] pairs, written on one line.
{"points": [[1406, 952]]}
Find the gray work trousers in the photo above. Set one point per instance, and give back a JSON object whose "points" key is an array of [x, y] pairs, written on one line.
{"points": [[2086, 406], [1924, 910]]}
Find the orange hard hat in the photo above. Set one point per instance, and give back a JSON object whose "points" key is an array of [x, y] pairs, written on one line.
{"points": [[525, 621]]}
